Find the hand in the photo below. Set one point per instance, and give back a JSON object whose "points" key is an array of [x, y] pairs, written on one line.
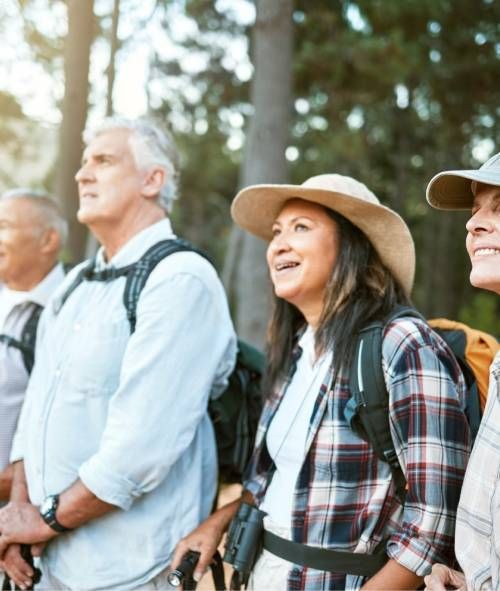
{"points": [[443, 577], [17, 568], [37, 549], [205, 539], [21, 523]]}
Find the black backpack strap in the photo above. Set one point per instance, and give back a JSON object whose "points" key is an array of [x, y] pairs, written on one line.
{"points": [[139, 272], [88, 273], [368, 408], [26, 343], [80, 277], [218, 572], [456, 339], [136, 273], [28, 337]]}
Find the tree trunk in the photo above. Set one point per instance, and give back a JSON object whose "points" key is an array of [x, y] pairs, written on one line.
{"points": [[74, 114], [264, 158]]}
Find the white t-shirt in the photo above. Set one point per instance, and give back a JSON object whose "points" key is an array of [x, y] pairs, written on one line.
{"points": [[287, 434], [9, 299]]}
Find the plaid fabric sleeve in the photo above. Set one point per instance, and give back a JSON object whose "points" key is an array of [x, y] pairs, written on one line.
{"points": [[431, 436]]}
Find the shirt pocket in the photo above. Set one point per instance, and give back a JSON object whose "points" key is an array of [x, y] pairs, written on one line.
{"points": [[97, 347]]}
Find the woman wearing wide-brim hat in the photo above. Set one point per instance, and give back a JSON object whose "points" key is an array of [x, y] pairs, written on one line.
{"points": [[338, 261]]}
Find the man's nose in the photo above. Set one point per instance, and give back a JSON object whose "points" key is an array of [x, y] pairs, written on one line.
{"points": [[479, 222], [83, 173]]}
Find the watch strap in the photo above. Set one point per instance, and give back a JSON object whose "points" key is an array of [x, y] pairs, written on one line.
{"points": [[49, 516]]}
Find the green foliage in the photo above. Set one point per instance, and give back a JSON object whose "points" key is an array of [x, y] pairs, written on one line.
{"points": [[482, 311], [391, 93], [199, 106]]}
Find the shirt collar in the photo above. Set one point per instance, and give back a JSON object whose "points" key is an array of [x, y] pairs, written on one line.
{"points": [[41, 293], [137, 245]]}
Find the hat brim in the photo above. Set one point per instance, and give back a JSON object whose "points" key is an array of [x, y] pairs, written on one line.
{"points": [[452, 189], [255, 209]]}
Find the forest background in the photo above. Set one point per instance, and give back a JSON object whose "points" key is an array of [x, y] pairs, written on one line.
{"points": [[271, 91]]}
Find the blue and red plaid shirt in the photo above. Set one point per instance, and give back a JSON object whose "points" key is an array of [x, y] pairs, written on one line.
{"points": [[344, 496]]}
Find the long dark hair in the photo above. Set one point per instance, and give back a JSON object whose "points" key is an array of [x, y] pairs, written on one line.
{"points": [[361, 289]]}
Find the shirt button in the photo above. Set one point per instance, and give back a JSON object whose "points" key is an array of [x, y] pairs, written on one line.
{"points": [[77, 326]]}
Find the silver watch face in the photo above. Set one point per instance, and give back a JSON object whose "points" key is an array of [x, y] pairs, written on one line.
{"points": [[47, 505]]}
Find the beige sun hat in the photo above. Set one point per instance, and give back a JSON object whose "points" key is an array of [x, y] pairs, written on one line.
{"points": [[453, 189], [256, 207]]}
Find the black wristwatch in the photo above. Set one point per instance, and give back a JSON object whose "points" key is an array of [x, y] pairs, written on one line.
{"points": [[48, 512]]}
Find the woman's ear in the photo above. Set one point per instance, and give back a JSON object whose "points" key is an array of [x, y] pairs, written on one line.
{"points": [[153, 182]]}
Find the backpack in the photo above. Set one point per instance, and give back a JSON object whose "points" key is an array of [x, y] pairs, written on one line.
{"points": [[236, 411], [26, 343], [368, 408]]}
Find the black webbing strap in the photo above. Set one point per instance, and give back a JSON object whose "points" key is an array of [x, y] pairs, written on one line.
{"points": [[28, 337], [140, 271], [89, 273], [363, 565], [12, 342], [76, 282], [236, 581], [136, 274], [218, 572], [26, 343]]}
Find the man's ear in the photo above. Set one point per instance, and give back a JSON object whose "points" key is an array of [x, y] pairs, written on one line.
{"points": [[153, 182], [50, 241]]}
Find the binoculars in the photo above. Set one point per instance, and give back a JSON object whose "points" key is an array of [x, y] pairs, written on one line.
{"points": [[244, 540]]}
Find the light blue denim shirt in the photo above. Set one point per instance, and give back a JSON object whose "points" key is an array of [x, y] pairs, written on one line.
{"points": [[127, 414]]}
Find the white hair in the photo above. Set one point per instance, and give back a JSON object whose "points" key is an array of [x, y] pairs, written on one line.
{"points": [[47, 207], [150, 146]]}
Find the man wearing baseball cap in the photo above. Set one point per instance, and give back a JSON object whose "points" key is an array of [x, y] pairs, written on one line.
{"points": [[477, 536]]}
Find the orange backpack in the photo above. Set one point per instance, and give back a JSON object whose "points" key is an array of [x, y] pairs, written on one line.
{"points": [[473, 349]]}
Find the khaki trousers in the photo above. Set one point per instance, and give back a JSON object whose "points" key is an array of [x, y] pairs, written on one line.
{"points": [[270, 572]]}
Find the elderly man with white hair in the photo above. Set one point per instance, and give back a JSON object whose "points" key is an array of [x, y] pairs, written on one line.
{"points": [[115, 451], [32, 232]]}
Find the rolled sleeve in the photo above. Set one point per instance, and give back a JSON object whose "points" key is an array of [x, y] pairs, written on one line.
{"points": [[256, 487], [431, 436], [183, 336], [108, 485], [17, 450]]}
